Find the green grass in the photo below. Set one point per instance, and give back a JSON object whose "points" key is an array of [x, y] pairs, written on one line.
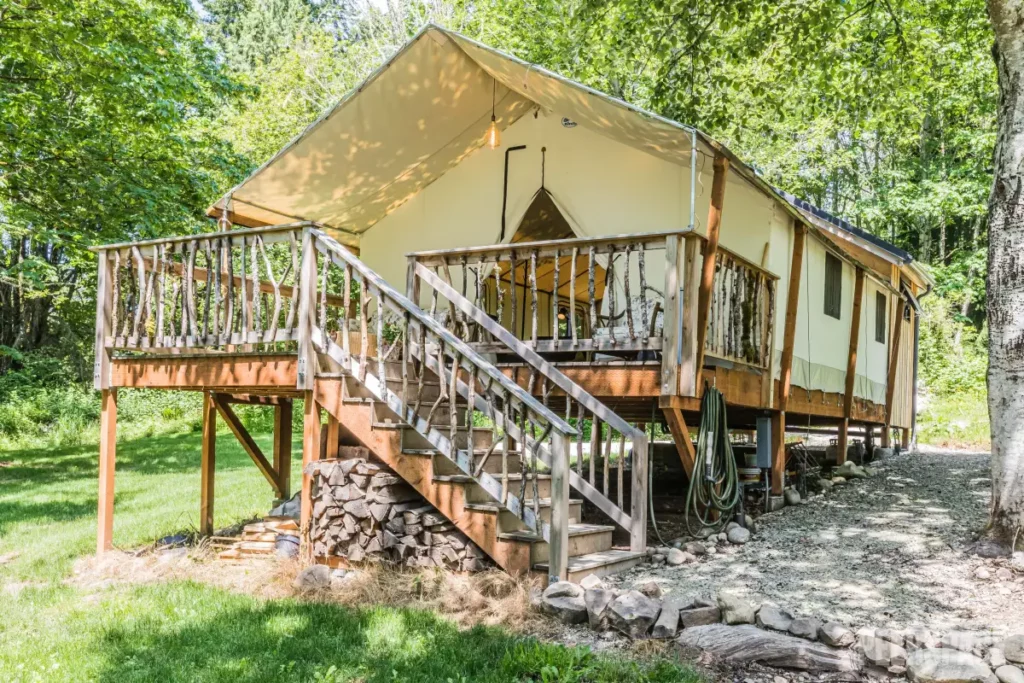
{"points": [[55, 630], [48, 496], [955, 421]]}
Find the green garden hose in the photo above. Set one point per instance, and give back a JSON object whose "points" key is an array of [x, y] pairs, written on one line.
{"points": [[714, 486]]}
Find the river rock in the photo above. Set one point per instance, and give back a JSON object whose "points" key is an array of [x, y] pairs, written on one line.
{"points": [[597, 601], [676, 557], [805, 627], [850, 470], [651, 589], [564, 600], [773, 617], [945, 665], [917, 637], [699, 616], [835, 634], [747, 644], [1009, 674], [633, 614], [996, 658], [881, 652], [738, 535], [695, 548], [1013, 648], [893, 636], [591, 581], [961, 640], [735, 609], [792, 496], [315, 578], [667, 624]]}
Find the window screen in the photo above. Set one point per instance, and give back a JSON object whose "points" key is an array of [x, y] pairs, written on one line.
{"points": [[833, 286], [880, 317]]}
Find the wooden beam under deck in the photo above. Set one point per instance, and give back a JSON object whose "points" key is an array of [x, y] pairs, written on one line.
{"points": [[256, 373]]}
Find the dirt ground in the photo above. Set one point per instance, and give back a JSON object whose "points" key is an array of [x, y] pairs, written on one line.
{"points": [[886, 551]]}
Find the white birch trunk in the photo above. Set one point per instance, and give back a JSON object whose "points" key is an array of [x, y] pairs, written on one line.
{"points": [[1006, 274]]}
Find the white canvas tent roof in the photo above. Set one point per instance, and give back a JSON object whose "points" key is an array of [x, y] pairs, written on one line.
{"points": [[419, 115]]}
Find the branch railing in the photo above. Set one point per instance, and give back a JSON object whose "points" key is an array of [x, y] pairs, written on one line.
{"points": [[741, 316]]}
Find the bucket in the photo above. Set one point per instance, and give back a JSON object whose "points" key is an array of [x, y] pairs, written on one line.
{"points": [[287, 545]]}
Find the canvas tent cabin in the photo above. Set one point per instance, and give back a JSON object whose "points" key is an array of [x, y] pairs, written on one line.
{"points": [[597, 262]]}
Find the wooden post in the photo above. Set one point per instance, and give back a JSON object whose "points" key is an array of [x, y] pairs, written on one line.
{"points": [[333, 429], [638, 501], [558, 540], [207, 465], [310, 452], [307, 314], [104, 308], [707, 279], [786, 362], [905, 439], [283, 446], [681, 437], [108, 451], [851, 367], [674, 274], [894, 360], [689, 370], [595, 446]]}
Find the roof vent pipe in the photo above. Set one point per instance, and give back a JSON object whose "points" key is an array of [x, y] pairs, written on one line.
{"points": [[504, 192]]}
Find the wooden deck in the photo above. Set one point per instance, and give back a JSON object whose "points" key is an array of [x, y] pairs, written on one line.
{"points": [[269, 315]]}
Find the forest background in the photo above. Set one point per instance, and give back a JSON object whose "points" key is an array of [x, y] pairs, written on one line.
{"points": [[123, 119]]}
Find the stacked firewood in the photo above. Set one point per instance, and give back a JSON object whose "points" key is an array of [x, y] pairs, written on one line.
{"points": [[362, 511]]}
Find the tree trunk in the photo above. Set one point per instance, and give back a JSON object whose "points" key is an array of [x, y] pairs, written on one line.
{"points": [[1006, 274]]}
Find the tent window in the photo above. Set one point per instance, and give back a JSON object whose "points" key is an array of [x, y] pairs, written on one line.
{"points": [[833, 286], [880, 317]]}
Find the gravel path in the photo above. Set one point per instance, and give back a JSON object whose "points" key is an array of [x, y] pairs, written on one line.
{"points": [[886, 551]]}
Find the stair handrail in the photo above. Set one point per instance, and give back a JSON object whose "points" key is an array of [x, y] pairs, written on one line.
{"points": [[327, 245], [638, 513]]}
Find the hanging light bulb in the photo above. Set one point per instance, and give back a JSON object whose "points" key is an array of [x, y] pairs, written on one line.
{"points": [[493, 135], [493, 138]]}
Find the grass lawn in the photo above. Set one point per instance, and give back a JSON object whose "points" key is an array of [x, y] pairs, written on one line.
{"points": [[55, 630]]}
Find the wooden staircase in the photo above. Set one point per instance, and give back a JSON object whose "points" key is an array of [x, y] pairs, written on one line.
{"points": [[364, 420]]}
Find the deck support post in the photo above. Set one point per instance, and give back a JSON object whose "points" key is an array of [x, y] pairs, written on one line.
{"points": [[558, 563], [707, 279], [890, 378], [905, 439], [638, 499], [786, 362], [670, 350], [207, 464], [681, 437], [108, 449], [332, 440], [310, 453], [283, 446], [851, 367]]}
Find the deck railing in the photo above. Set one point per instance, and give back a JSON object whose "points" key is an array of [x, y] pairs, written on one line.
{"points": [[741, 316]]}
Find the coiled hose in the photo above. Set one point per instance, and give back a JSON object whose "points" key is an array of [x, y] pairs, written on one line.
{"points": [[714, 486]]}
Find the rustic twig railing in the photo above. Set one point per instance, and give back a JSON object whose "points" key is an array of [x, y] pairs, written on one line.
{"points": [[228, 291], [741, 317]]}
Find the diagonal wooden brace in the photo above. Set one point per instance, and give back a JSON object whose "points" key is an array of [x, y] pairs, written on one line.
{"points": [[250, 446]]}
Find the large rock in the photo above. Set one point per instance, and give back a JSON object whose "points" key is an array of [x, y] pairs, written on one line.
{"points": [[676, 557], [774, 617], [667, 624], [792, 496], [805, 627], [1013, 648], [738, 535], [735, 609], [699, 616], [944, 665], [748, 644], [1009, 674], [850, 470], [315, 578], [881, 652], [965, 641], [835, 634], [565, 601], [633, 614], [918, 637], [591, 581], [597, 601]]}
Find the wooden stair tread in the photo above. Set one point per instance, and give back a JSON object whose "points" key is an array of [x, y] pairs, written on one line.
{"points": [[574, 530], [494, 507], [592, 561], [467, 479]]}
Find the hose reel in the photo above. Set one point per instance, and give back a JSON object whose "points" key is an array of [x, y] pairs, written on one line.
{"points": [[714, 491]]}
